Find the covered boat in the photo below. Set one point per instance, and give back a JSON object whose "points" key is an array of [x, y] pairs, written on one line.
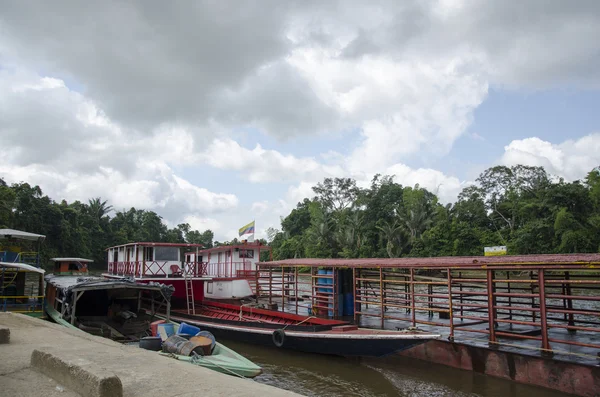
{"points": [[109, 308], [21, 289]]}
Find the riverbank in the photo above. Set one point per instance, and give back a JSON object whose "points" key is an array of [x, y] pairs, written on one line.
{"points": [[86, 359]]}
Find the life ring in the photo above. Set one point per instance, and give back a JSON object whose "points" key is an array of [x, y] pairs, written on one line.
{"points": [[278, 337]]}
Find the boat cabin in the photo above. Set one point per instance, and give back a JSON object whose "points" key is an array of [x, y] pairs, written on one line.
{"points": [[21, 289], [108, 308], [17, 246], [70, 266], [144, 259], [230, 261]]}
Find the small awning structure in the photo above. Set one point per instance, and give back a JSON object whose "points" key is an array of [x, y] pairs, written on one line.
{"points": [[82, 260], [6, 234], [22, 266]]}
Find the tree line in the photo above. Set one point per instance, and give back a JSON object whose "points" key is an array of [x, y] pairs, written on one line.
{"points": [[521, 207], [86, 229]]}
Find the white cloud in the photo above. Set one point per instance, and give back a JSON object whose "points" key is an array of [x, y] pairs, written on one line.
{"points": [[444, 186], [62, 141], [261, 165], [571, 159], [201, 224]]}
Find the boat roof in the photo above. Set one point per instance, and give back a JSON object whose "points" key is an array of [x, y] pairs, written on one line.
{"points": [[151, 244], [71, 260], [22, 266], [20, 235], [79, 283], [258, 245], [441, 262]]}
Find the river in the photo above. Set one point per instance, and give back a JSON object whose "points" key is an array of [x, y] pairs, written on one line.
{"points": [[317, 375]]}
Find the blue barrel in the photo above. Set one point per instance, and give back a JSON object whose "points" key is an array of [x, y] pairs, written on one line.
{"points": [[187, 329], [348, 304]]}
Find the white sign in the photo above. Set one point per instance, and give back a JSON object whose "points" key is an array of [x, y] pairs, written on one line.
{"points": [[494, 251]]}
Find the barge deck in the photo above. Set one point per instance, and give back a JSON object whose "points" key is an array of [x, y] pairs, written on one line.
{"points": [[533, 319]]}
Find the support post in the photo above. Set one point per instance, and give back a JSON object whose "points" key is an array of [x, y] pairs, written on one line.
{"points": [[296, 286], [569, 303], [491, 310], [543, 313], [354, 293], [283, 289], [510, 316], [460, 288], [75, 299], [412, 297], [270, 285], [381, 299], [450, 312]]}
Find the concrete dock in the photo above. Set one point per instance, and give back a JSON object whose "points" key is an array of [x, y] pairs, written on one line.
{"points": [[46, 359]]}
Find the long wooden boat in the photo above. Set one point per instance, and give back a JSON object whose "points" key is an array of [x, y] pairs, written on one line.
{"points": [[222, 359], [296, 332]]}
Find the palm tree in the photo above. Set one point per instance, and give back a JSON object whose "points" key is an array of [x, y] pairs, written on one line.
{"points": [[99, 208], [416, 220], [392, 232]]}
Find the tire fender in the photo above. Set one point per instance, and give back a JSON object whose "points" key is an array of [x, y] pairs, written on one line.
{"points": [[278, 337]]}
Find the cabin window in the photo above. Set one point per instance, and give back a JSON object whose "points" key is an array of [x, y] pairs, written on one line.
{"points": [[73, 266], [115, 256], [149, 253], [166, 253], [209, 287], [247, 254]]}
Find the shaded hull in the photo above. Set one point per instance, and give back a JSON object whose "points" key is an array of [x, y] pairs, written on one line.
{"points": [[309, 339]]}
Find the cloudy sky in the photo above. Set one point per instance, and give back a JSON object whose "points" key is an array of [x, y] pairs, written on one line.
{"points": [[218, 112]]}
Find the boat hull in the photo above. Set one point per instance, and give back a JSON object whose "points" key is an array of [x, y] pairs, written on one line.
{"points": [[360, 343]]}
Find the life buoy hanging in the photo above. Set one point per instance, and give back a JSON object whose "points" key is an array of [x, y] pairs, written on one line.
{"points": [[278, 337]]}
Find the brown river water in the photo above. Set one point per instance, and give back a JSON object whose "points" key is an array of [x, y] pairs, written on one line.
{"points": [[319, 375]]}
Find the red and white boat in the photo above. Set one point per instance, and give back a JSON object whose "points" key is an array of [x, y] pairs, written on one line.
{"points": [[224, 273]]}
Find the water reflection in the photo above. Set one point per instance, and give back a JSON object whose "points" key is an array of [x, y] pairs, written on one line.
{"points": [[315, 375]]}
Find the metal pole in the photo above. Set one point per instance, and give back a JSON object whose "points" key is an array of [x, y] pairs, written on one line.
{"points": [[296, 286], [509, 298], [381, 300], [270, 286], [412, 297], [283, 290], [491, 310], [334, 291], [354, 293], [543, 319], [450, 313], [460, 288], [569, 302]]}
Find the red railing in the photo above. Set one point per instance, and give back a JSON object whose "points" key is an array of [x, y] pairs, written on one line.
{"points": [[243, 269]]}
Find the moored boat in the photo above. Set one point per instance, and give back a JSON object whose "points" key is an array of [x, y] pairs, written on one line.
{"points": [[296, 332], [221, 359], [21, 289], [21, 278], [108, 308]]}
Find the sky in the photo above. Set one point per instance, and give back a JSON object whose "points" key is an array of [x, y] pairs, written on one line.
{"points": [[216, 113]]}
